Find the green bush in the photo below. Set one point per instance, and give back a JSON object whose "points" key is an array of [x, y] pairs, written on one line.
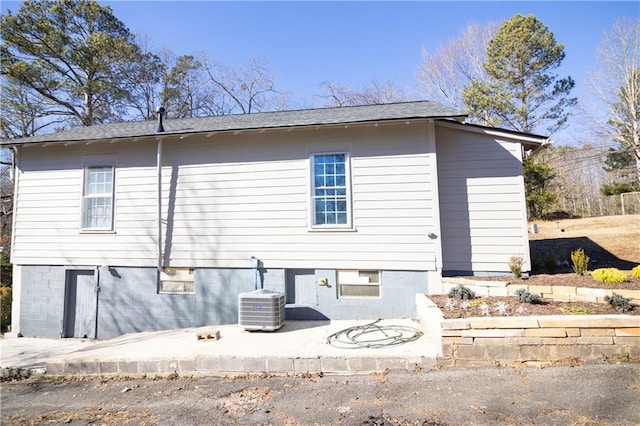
{"points": [[621, 303], [609, 276], [525, 297], [461, 292], [580, 261], [635, 272], [515, 264], [5, 307]]}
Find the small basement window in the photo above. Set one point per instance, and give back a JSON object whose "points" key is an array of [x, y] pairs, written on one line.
{"points": [[177, 281], [360, 284]]}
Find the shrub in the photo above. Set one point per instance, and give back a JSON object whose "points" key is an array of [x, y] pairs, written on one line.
{"points": [[525, 297], [609, 276], [621, 303], [580, 261], [461, 292], [635, 272], [5, 307], [549, 261], [515, 264], [577, 310]]}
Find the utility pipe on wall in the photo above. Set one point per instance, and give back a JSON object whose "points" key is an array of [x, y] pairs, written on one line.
{"points": [[159, 196], [159, 129]]}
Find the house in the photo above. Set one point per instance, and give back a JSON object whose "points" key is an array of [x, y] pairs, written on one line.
{"points": [[347, 211]]}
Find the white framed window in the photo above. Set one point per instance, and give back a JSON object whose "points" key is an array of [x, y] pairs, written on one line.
{"points": [[359, 284], [330, 190], [97, 198]]}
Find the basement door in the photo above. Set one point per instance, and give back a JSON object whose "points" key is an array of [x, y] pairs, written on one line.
{"points": [[80, 304], [301, 287]]}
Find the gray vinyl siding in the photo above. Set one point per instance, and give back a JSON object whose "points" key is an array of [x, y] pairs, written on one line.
{"points": [[481, 193], [232, 196]]}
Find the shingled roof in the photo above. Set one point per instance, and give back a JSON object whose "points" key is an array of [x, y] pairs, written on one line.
{"points": [[237, 122]]}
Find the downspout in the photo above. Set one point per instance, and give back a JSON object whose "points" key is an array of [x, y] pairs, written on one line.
{"points": [[159, 129]]}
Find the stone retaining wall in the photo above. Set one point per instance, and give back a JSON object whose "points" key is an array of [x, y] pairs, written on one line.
{"points": [[560, 293], [532, 340]]}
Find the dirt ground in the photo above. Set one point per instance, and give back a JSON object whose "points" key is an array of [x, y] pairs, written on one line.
{"points": [[601, 394], [509, 306], [610, 242]]}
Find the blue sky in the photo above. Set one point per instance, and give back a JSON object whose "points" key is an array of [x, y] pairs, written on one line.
{"points": [[308, 43]]}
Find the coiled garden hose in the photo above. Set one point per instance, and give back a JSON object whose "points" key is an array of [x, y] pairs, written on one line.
{"points": [[373, 336]]}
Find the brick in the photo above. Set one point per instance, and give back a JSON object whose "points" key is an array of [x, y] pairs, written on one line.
{"points": [[362, 364], [280, 365], [128, 367], [82, 367], [556, 341], [451, 333], [562, 297], [628, 331], [504, 322], [597, 332], [503, 352], [147, 367], [545, 289], [535, 353], [207, 363], [502, 284], [575, 332], [626, 340], [587, 321], [631, 294], [498, 291], [334, 364], [457, 340], [392, 364], [230, 364], [608, 351], [570, 351], [594, 340], [464, 363], [54, 368], [508, 341], [254, 365], [107, 367], [455, 324], [471, 352], [456, 281], [557, 290], [545, 332], [481, 291], [511, 288], [493, 332], [307, 365], [184, 366], [593, 292]]}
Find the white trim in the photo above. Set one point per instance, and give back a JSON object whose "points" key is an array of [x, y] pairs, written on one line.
{"points": [[432, 149], [111, 228], [348, 191], [519, 137]]}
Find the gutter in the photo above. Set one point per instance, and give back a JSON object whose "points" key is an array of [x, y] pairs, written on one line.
{"points": [[160, 129], [159, 201]]}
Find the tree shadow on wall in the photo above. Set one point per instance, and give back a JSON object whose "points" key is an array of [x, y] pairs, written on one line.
{"points": [[554, 255]]}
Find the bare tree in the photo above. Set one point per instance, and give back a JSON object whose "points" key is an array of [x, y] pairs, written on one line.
{"points": [[247, 89], [616, 82], [374, 93], [443, 74]]}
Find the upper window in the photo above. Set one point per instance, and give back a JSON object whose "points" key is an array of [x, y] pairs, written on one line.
{"points": [[330, 193], [97, 198]]}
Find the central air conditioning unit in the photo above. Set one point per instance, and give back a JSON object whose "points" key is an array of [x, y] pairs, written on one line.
{"points": [[261, 310]]}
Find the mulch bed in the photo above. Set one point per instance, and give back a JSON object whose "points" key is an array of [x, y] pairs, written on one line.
{"points": [[496, 306], [565, 279]]}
